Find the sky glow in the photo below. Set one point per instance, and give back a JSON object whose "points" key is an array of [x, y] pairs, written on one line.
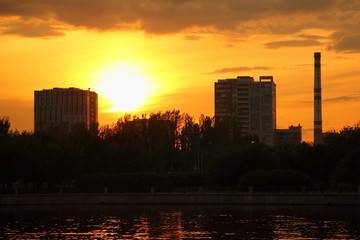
{"points": [[167, 55]]}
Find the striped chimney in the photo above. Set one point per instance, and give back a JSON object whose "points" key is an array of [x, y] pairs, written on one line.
{"points": [[317, 99]]}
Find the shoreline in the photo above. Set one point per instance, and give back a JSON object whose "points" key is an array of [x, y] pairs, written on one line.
{"points": [[278, 198]]}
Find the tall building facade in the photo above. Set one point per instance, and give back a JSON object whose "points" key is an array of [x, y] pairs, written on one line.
{"points": [[248, 105], [64, 107]]}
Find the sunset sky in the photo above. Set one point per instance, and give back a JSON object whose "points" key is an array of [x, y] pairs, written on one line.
{"points": [[154, 55]]}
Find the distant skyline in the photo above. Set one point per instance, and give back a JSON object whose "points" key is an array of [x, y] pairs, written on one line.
{"points": [[155, 55]]}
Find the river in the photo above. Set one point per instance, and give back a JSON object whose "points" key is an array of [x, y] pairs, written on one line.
{"points": [[179, 222]]}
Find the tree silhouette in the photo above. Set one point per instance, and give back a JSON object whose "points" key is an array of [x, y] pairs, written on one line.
{"points": [[173, 145], [4, 126]]}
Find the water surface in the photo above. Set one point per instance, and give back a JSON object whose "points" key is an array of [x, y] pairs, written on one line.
{"points": [[179, 222]]}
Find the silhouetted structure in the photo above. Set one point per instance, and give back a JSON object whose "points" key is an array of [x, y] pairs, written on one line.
{"points": [[291, 136], [64, 107], [317, 99], [249, 107]]}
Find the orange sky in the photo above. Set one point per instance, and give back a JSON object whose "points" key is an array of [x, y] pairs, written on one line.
{"points": [[176, 50]]}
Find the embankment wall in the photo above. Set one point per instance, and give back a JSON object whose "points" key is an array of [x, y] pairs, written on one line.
{"points": [[185, 198]]}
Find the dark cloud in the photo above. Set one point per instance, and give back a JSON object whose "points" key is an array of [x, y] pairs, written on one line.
{"points": [[192, 37], [293, 43], [172, 16], [33, 30], [312, 37], [240, 69], [158, 16], [337, 35], [230, 46], [346, 74], [306, 5], [340, 57], [355, 96], [350, 97], [347, 43]]}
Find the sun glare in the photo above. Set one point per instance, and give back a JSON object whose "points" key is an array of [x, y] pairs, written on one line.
{"points": [[124, 86]]}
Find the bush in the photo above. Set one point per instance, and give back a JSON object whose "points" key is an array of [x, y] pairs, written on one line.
{"points": [[144, 180], [138, 181], [275, 178], [187, 179], [96, 180]]}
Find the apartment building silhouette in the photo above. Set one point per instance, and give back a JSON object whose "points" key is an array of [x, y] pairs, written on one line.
{"points": [[64, 107], [248, 105]]}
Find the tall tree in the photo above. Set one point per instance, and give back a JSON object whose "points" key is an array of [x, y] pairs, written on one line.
{"points": [[4, 126]]}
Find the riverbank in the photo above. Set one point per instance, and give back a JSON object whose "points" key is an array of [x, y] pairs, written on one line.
{"points": [[185, 198]]}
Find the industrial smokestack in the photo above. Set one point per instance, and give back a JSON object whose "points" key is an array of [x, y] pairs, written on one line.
{"points": [[317, 99]]}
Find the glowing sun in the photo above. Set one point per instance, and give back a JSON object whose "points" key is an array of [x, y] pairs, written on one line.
{"points": [[124, 86]]}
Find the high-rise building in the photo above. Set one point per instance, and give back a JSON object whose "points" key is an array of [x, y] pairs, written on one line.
{"points": [[248, 105], [64, 107]]}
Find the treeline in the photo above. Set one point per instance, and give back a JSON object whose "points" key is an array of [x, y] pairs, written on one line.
{"points": [[171, 149]]}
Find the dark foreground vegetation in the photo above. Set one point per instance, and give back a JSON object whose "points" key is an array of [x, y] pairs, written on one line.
{"points": [[170, 150]]}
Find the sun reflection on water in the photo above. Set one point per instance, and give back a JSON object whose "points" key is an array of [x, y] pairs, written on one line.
{"points": [[294, 227], [178, 224]]}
